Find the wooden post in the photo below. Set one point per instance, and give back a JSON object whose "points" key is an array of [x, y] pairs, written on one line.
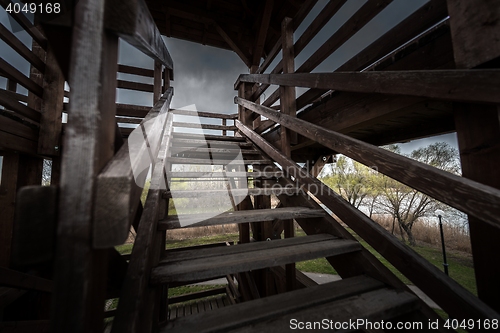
{"points": [[157, 88], [81, 271], [287, 96], [8, 190], [475, 28]]}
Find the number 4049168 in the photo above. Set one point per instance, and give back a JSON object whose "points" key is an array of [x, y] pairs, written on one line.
{"points": [[33, 8]]}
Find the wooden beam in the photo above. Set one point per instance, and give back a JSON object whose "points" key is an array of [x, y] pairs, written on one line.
{"points": [[157, 86], [10, 39], [130, 110], [452, 297], [466, 195], [122, 84], [204, 126], [49, 142], [10, 101], [26, 24], [132, 21], [117, 179], [14, 74], [475, 29], [16, 279], [478, 85], [135, 70], [260, 38], [478, 130], [232, 44], [88, 144]]}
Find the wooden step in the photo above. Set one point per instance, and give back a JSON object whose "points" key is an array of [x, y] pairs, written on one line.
{"points": [[358, 297], [244, 216], [216, 151], [205, 137], [187, 160], [205, 114], [212, 263], [204, 126], [234, 192], [255, 174], [181, 142]]}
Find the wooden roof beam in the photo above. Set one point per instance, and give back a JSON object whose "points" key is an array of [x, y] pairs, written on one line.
{"points": [[262, 33], [233, 44]]}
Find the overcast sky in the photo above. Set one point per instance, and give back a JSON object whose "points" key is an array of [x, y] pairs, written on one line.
{"points": [[204, 76]]}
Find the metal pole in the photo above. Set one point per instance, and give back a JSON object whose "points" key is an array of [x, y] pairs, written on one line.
{"points": [[445, 263]]}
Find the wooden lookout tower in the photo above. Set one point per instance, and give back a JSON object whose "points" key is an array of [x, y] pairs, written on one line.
{"points": [[430, 73]]}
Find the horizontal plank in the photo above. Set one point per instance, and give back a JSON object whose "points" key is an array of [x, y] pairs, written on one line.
{"points": [[196, 295], [184, 160], [477, 85], [10, 101], [461, 193], [204, 126], [135, 86], [234, 192], [17, 96], [213, 151], [16, 279], [204, 114], [10, 39], [255, 174], [128, 120], [133, 22], [135, 70], [452, 297], [130, 110], [117, 179], [190, 254], [244, 216], [212, 143], [270, 307], [26, 24], [13, 142], [18, 128], [275, 253], [207, 137], [12, 73]]}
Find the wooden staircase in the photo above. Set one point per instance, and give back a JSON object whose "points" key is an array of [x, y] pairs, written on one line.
{"points": [[259, 296]]}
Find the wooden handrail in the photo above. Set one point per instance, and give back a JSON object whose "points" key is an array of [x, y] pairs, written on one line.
{"points": [[477, 85], [118, 189], [452, 297], [471, 197]]}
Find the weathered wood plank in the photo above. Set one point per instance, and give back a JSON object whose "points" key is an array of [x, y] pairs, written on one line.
{"points": [[453, 298], [261, 35], [466, 195], [257, 215], [183, 160], [130, 110], [11, 142], [208, 137], [204, 126], [10, 101], [117, 179], [196, 295], [10, 39], [232, 43], [214, 151], [479, 85], [130, 85], [258, 310], [14, 74], [133, 22], [475, 31], [135, 70], [210, 143], [25, 23], [17, 127], [275, 253], [254, 174], [234, 192], [204, 114]]}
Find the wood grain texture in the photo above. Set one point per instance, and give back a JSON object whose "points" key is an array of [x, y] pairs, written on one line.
{"points": [[261, 309], [442, 289], [204, 114], [250, 256], [257, 215], [452, 85], [475, 31], [118, 189]]}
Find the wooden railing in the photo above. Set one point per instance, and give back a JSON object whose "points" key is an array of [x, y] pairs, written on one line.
{"points": [[466, 195]]}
